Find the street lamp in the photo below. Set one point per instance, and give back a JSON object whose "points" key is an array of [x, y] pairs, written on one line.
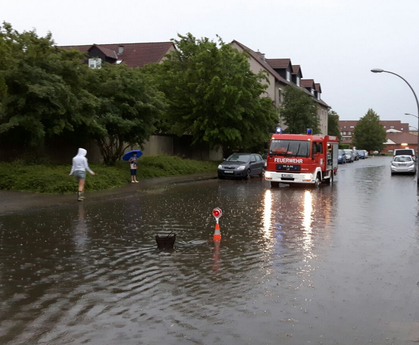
{"points": [[411, 114], [379, 70]]}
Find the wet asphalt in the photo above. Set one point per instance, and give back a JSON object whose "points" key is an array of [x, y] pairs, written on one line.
{"points": [[331, 265]]}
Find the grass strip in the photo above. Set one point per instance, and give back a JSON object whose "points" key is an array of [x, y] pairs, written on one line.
{"points": [[20, 176]]}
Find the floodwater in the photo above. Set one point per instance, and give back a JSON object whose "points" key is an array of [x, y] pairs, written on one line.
{"points": [[334, 265]]}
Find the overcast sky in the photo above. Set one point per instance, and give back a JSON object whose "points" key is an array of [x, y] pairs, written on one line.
{"points": [[336, 42]]}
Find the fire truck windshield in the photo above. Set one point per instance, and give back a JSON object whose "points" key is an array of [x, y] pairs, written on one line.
{"points": [[293, 148]]}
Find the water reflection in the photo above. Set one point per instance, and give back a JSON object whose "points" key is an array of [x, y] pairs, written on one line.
{"points": [[307, 211], [80, 229], [267, 214], [307, 221]]}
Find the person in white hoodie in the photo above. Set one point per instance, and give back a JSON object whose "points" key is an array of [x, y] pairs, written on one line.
{"points": [[78, 169]]}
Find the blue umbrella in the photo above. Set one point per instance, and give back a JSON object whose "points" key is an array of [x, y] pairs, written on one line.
{"points": [[129, 154]]}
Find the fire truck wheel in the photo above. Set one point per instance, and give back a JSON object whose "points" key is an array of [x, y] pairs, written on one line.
{"points": [[318, 181], [274, 184], [330, 180]]}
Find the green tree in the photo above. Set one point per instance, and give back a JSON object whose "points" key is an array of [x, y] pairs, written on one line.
{"points": [[213, 95], [128, 107], [369, 134], [333, 124], [44, 90], [299, 112]]}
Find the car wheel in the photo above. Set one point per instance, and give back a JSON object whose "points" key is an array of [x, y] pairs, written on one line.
{"points": [[248, 174], [274, 184]]}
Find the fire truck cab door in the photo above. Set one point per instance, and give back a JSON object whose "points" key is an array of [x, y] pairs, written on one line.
{"points": [[317, 154]]}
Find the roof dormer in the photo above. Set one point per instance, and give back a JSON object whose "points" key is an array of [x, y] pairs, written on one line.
{"points": [[282, 66]]}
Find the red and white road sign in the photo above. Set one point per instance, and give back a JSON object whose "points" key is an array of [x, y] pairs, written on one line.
{"points": [[217, 213]]}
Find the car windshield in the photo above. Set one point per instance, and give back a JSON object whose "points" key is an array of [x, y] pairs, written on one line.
{"points": [[348, 152], [293, 148], [402, 159], [237, 157], [341, 152], [403, 152]]}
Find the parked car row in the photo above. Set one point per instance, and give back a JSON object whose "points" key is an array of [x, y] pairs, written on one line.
{"points": [[350, 156]]}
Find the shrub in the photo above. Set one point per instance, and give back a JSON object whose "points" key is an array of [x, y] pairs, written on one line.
{"points": [[55, 179]]}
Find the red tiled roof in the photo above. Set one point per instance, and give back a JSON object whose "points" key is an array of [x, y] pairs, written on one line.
{"points": [[400, 138], [108, 52], [259, 58], [296, 69], [317, 87], [279, 63], [307, 83], [134, 54]]}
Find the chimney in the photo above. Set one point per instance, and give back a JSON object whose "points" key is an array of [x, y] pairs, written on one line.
{"points": [[261, 55]]}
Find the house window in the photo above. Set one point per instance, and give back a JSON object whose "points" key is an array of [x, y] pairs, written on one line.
{"points": [[318, 96], [95, 63], [344, 126], [401, 128], [279, 95], [298, 81], [385, 127], [352, 126], [392, 127], [288, 75], [349, 132], [343, 133], [312, 91]]}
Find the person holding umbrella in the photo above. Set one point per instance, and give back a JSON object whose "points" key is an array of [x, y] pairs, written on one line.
{"points": [[132, 157]]}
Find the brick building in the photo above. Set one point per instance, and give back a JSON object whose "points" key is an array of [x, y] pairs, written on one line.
{"points": [[398, 134]]}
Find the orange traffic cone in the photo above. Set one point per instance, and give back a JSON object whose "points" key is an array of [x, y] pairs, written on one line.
{"points": [[217, 233]]}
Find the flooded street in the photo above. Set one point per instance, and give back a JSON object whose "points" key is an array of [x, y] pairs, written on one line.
{"points": [[334, 265]]}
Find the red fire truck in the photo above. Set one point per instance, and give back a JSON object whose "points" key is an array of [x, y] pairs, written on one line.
{"points": [[301, 158]]}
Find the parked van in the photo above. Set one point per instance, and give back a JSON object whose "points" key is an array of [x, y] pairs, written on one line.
{"points": [[404, 152]]}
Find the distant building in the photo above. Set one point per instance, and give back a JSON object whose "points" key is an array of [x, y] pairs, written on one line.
{"points": [[398, 134]]}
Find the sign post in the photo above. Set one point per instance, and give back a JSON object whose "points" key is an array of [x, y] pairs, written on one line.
{"points": [[217, 213]]}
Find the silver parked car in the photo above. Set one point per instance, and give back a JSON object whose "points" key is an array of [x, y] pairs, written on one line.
{"points": [[403, 165], [350, 156]]}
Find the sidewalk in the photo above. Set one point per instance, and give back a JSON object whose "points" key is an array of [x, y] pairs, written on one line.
{"points": [[14, 202]]}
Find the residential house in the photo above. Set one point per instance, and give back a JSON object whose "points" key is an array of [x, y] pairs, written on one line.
{"points": [[138, 55], [315, 91], [282, 73], [132, 54]]}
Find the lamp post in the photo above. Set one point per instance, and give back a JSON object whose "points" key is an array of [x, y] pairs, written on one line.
{"points": [[411, 114], [379, 70]]}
